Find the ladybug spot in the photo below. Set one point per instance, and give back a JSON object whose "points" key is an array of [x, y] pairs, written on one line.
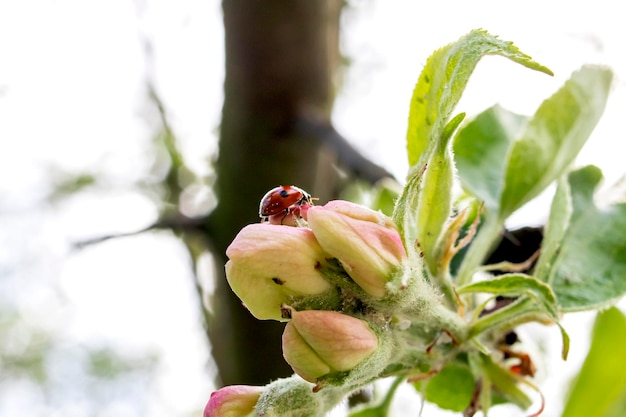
{"points": [[284, 193], [278, 281]]}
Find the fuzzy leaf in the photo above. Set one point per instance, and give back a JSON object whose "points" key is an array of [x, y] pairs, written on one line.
{"points": [[443, 80], [515, 285], [521, 284], [588, 270], [556, 228], [505, 159], [554, 136], [426, 199], [480, 151], [601, 382]]}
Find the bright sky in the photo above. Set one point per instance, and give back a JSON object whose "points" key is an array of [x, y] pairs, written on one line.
{"points": [[72, 98]]}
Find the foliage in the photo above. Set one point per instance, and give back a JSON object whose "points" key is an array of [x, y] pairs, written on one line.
{"points": [[450, 332], [600, 387]]}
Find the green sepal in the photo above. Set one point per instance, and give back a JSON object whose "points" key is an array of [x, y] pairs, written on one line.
{"points": [[434, 205], [294, 397]]}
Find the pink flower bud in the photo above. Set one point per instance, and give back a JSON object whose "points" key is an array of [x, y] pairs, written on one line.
{"points": [[317, 342], [233, 401], [365, 241], [270, 265]]}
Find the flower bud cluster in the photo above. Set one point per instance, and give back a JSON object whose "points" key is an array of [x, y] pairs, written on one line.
{"points": [[273, 264], [275, 269]]}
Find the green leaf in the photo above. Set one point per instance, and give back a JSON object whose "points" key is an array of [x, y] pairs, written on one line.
{"points": [[618, 406], [556, 228], [554, 136], [520, 285], [588, 270], [515, 285], [601, 383], [384, 195], [443, 80], [381, 196], [522, 310], [426, 200], [481, 149], [450, 128], [450, 389], [506, 159]]}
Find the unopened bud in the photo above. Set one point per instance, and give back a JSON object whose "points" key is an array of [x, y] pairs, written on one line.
{"points": [[366, 242], [233, 401], [318, 342], [271, 265]]}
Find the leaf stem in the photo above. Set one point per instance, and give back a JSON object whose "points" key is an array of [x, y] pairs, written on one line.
{"points": [[386, 404], [511, 315], [451, 322]]}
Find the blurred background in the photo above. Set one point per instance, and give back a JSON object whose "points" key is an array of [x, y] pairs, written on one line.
{"points": [[138, 137]]}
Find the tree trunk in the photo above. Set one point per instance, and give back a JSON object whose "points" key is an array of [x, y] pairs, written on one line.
{"points": [[282, 63]]}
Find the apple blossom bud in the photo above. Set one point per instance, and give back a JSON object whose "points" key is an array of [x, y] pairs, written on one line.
{"points": [[365, 241], [318, 342], [233, 401], [271, 265]]}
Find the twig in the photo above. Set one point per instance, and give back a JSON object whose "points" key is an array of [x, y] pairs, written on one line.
{"points": [[175, 223]]}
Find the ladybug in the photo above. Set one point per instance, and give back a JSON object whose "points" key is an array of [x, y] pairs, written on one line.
{"points": [[282, 201]]}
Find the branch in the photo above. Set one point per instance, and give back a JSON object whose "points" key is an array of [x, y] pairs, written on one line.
{"points": [[315, 127], [177, 223]]}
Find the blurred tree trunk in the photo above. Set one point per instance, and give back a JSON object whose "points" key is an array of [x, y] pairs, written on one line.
{"points": [[282, 61]]}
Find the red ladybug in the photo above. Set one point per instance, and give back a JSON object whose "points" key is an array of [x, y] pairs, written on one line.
{"points": [[283, 200]]}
